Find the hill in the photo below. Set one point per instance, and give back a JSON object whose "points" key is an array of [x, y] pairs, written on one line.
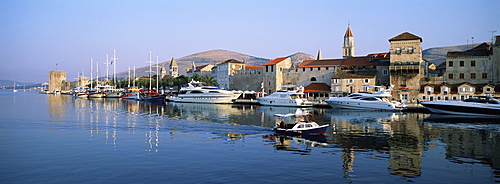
{"points": [[214, 57], [437, 55]]}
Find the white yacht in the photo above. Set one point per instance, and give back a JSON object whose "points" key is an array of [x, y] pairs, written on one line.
{"points": [[366, 101], [294, 98], [479, 106], [196, 92]]}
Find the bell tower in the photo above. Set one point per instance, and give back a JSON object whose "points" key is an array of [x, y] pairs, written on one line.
{"points": [[348, 47]]}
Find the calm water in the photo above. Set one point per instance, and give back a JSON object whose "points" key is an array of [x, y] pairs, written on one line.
{"points": [[58, 139]]}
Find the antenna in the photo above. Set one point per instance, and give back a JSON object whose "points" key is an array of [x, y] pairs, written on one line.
{"points": [[492, 35]]}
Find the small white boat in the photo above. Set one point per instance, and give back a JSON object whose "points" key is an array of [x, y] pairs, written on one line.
{"points": [[293, 98], [302, 126], [196, 92], [479, 106], [366, 101]]}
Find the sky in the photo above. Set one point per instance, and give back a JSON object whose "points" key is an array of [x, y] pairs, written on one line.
{"points": [[39, 36]]}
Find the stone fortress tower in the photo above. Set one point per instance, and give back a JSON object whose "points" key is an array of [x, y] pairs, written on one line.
{"points": [[56, 79]]}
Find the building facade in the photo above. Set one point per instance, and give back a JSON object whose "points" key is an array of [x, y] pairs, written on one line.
{"points": [[56, 79], [407, 68], [225, 70], [474, 66]]}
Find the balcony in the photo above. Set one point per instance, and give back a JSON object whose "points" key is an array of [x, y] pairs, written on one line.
{"points": [[404, 67]]}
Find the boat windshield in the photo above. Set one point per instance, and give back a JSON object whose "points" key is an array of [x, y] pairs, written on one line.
{"points": [[481, 100]]}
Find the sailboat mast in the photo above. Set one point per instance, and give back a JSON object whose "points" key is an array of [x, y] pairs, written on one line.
{"points": [[97, 73], [91, 71], [157, 74], [149, 70], [107, 68], [114, 67], [134, 76], [129, 76]]}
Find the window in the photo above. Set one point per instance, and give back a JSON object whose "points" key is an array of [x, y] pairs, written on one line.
{"points": [[485, 75], [403, 83], [398, 50], [445, 91], [450, 76], [450, 63], [350, 80], [473, 75], [313, 79], [326, 68], [461, 76], [462, 63], [311, 69], [336, 81], [410, 50], [366, 80], [303, 69], [472, 63], [385, 72], [319, 68]]}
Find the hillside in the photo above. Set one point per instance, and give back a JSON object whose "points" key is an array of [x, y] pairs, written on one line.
{"points": [[437, 55], [214, 57]]}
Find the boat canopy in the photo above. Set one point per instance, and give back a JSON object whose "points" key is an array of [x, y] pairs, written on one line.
{"points": [[290, 114]]}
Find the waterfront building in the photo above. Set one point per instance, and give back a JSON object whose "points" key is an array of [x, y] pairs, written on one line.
{"points": [[407, 68], [273, 74], [474, 66], [496, 60], [249, 79], [224, 70], [461, 91], [56, 79], [200, 70]]}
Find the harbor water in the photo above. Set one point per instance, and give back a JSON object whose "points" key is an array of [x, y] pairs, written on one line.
{"points": [[61, 139]]}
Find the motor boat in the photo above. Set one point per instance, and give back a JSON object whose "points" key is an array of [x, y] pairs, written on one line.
{"points": [[293, 98], [196, 92], [300, 127], [366, 101], [478, 105]]}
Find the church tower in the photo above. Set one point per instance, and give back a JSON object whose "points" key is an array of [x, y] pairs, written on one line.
{"points": [[348, 48], [173, 68]]}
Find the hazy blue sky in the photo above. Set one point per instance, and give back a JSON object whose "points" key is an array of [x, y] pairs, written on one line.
{"points": [[37, 34]]}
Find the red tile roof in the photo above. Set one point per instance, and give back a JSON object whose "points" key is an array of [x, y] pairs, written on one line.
{"points": [[406, 36], [254, 67], [481, 50], [276, 61], [317, 88], [356, 61], [321, 63], [348, 32]]}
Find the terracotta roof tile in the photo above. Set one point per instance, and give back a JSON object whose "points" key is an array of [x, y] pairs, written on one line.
{"points": [[254, 67], [321, 63], [276, 61], [483, 49], [406, 36], [317, 87]]}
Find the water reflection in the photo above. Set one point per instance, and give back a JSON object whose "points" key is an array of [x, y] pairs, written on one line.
{"points": [[296, 144], [400, 140]]}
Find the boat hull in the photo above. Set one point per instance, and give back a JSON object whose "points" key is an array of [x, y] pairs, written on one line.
{"points": [[284, 102], [462, 108], [220, 99], [362, 105], [317, 130]]}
